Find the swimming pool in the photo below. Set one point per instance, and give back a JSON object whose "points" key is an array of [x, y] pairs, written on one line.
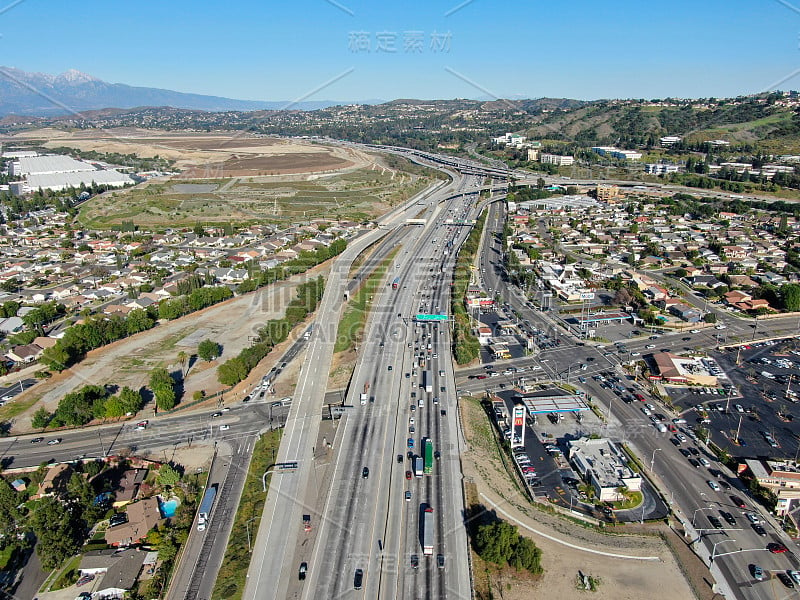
{"points": [[168, 507]]}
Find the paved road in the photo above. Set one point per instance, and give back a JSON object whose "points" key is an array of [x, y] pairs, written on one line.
{"points": [[270, 573], [368, 524]]}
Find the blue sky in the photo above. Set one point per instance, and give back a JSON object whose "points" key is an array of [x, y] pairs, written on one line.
{"points": [[271, 50]]}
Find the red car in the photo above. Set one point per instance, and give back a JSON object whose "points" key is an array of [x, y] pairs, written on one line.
{"points": [[480, 377], [777, 548], [408, 474]]}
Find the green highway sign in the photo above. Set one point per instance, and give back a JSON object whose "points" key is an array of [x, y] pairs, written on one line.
{"points": [[421, 317]]}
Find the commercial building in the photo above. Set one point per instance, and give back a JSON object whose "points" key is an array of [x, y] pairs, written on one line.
{"points": [[617, 153], [781, 477], [556, 159], [680, 369], [607, 193], [604, 466], [56, 173], [660, 169]]}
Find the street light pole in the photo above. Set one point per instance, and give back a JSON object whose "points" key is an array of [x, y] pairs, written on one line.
{"points": [[714, 548], [653, 458]]}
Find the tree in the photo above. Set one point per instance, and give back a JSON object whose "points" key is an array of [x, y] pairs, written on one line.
{"points": [[168, 476], [710, 317], [59, 529], [527, 556], [40, 418], [163, 387], [495, 542], [131, 400], [183, 358], [790, 293]]}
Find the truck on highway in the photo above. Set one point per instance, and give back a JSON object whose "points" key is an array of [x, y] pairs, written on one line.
{"points": [[428, 445], [419, 469], [427, 531], [427, 383], [365, 393], [396, 283], [204, 514]]}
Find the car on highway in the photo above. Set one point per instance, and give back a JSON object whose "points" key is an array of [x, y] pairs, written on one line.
{"points": [[704, 461], [759, 529], [54, 441], [715, 522], [408, 495], [794, 575], [410, 443], [224, 427], [713, 485], [694, 331], [777, 548], [414, 561], [301, 574], [214, 415], [729, 518], [141, 425], [758, 572], [358, 579], [737, 502], [36, 440], [440, 561], [389, 368], [365, 472], [408, 474]]}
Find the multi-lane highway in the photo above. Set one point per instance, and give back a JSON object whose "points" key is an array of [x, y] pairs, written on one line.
{"points": [[294, 493], [373, 517]]}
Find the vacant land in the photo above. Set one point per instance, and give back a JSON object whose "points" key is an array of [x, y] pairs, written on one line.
{"points": [[129, 361], [620, 579], [241, 178]]}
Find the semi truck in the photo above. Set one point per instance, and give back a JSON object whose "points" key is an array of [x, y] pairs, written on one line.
{"points": [[427, 532], [427, 383], [204, 514], [419, 469]]}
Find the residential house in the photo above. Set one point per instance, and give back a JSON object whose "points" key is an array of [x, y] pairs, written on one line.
{"points": [[142, 517], [128, 487]]}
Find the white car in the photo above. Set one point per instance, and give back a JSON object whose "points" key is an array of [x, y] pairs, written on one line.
{"points": [[224, 427], [704, 462], [739, 408], [713, 485], [695, 331]]}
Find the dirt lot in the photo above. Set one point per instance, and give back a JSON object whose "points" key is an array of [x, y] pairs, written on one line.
{"points": [[225, 154], [129, 361], [620, 578]]}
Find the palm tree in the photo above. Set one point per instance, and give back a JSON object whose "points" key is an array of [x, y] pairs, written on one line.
{"points": [[183, 359], [624, 493]]}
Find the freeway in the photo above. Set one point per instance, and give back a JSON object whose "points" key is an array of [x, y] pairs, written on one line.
{"points": [[290, 494], [373, 513]]}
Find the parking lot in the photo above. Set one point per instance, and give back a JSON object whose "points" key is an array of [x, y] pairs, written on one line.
{"points": [[750, 414], [542, 460]]}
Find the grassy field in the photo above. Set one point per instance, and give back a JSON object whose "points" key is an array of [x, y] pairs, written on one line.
{"points": [[233, 573], [358, 195], [355, 315]]}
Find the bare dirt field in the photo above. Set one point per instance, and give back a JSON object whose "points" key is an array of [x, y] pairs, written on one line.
{"points": [[129, 361], [620, 578]]}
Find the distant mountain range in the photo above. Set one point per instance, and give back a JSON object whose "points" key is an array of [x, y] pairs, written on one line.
{"points": [[42, 94]]}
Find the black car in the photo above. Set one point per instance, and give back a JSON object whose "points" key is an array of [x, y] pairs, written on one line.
{"points": [[414, 561], [399, 458], [785, 579], [759, 529], [715, 522], [365, 472], [440, 561], [685, 452], [358, 579], [301, 575], [729, 518]]}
